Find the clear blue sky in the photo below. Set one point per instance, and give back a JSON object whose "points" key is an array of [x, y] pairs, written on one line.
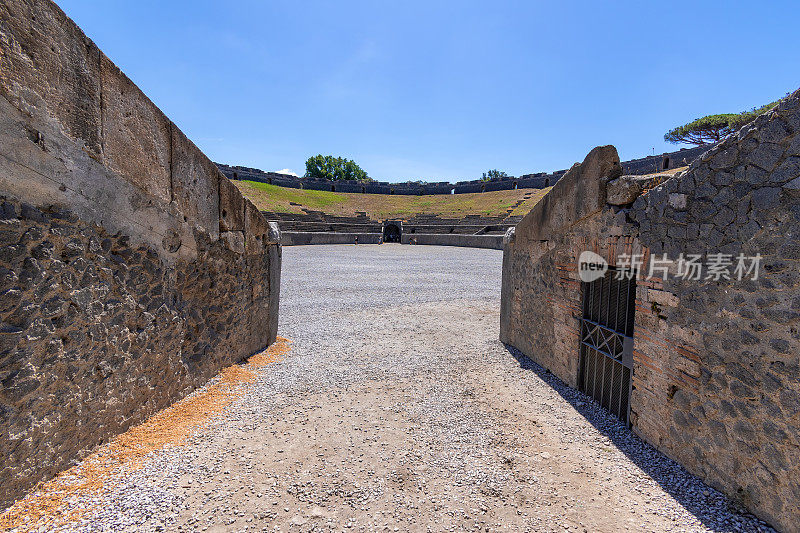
{"points": [[443, 90]]}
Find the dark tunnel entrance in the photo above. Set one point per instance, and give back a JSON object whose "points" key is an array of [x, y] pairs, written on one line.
{"points": [[391, 233]]}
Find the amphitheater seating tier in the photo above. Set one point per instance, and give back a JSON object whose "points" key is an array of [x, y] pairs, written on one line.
{"points": [[317, 221]]}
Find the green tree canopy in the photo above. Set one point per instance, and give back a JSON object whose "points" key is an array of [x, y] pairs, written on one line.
{"points": [[713, 128], [333, 168], [494, 173]]}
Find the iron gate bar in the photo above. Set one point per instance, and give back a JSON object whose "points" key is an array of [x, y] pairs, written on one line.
{"points": [[606, 340], [612, 335]]}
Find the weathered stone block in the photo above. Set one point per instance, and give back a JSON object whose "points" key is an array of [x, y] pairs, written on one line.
{"points": [[793, 185], [195, 183], [43, 54], [766, 198], [725, 158], [721, 179], [234, 240], [794, 144], [706, 190], [579, 193], [623, 191], [136, 134], [231, 206], [274, 235], [725, 196], [256, 234], [677, 201], [663, 298], [774, 131], [724, 217], [274, 276], [766, 156], [786, 171]]}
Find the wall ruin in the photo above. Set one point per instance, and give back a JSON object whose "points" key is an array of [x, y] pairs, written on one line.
{"points": [[131, 270], [716, 368]]}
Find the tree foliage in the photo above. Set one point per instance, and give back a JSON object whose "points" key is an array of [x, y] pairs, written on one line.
{"points": [[494, 173], [713, 128], [744, 117], [332, 168]]}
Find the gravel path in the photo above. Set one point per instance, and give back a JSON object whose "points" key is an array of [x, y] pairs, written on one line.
{"points": [[399, 410]]}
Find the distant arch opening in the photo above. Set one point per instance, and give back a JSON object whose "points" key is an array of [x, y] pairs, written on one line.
{"points": [[665, 163], [515, 185], [483, 188], [452, 191], [269, 180], [333, 188], [236, 175], [391, 233], [363, 189], [547, 182]]}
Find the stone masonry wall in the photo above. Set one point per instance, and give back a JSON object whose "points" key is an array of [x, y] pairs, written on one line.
{"points": [[541, 291], [716, 380], [722, 358], [131, 270]]}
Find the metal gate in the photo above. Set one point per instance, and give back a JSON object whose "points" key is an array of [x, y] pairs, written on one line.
{"points": [[606, 341]]}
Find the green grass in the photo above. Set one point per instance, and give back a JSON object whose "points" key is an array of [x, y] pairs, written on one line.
{"points": [[278, 199], [385, 206]]}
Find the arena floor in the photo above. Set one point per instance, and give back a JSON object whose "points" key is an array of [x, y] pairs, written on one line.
{"points": [[397, 409]]}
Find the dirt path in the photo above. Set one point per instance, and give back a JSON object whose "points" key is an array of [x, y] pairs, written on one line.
{"points": [[398, 410]]}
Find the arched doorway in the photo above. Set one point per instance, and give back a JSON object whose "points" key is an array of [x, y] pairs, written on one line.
{"points": [[391, 233]]}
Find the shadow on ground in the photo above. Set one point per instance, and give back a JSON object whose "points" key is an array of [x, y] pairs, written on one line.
{"points": [[714, 510]]}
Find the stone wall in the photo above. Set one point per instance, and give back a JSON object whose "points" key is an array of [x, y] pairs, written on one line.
{"points": [[666, 161], [716, 378], [131, 270], [296, 238], [446, 239], [541, 180]]}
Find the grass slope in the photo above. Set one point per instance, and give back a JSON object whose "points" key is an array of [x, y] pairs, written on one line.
{"points": [[384, 206]]}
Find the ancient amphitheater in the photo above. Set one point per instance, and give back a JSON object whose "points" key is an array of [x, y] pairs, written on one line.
{"points": [[517, 354]]}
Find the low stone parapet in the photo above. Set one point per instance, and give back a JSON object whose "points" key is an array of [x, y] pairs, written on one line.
{"points": [[444, 239], [297, 238]]}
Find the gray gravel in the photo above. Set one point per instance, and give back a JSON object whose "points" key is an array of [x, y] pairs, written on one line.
{"points": [[397, 409]]}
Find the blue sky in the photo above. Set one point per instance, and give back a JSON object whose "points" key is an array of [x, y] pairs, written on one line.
{"points": [[443, 90]]}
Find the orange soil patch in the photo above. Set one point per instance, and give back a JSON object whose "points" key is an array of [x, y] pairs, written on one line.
{"points": [[46, 506]]}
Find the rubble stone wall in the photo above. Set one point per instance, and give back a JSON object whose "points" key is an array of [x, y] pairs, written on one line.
{"points": [[131, 270], [716, 380]]}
